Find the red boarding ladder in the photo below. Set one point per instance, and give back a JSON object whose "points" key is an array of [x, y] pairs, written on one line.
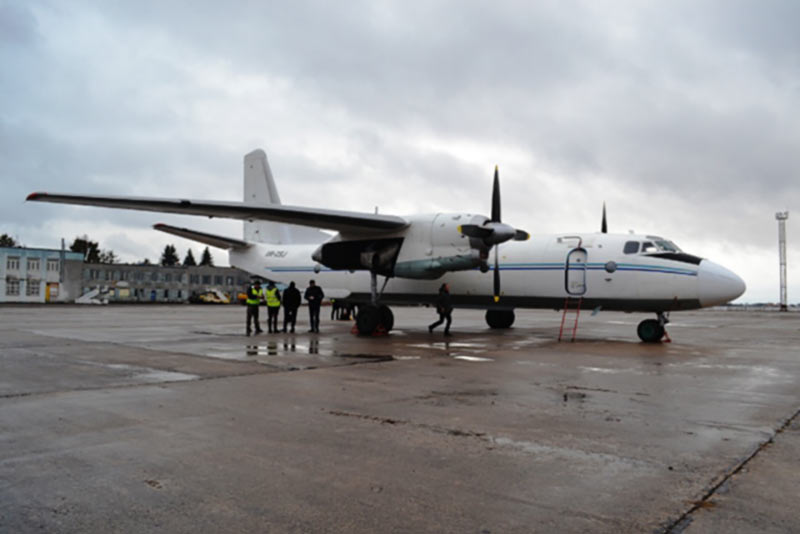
{"points": [[577, 311]]}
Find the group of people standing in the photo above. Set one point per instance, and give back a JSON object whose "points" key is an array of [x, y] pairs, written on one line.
{"points": [[289, 301]]}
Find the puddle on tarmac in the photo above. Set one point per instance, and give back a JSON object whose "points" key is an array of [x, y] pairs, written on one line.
{"points": [[146, 374], [287, 354]]}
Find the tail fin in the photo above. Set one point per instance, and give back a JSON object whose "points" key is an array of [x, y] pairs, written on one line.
{"points": [[259, 188]]}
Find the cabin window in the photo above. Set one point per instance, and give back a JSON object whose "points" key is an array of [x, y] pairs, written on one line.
{"points": [[631, 247]]}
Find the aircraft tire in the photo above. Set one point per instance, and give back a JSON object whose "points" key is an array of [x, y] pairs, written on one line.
{"points": [[367, 319], [386, 317], [500, 319], [650, 331]]}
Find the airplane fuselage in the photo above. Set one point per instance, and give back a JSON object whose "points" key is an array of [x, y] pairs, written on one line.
{"points": [[539, 273]]}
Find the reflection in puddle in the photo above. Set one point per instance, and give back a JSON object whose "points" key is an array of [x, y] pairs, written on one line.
{"points": [[472, 358]]}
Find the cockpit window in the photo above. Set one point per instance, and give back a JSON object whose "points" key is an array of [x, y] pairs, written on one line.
{"points": [[647, 247], [667, 246], [631, 247]]}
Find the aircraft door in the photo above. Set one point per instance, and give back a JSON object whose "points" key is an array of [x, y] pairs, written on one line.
{"points": [[575, 271]]}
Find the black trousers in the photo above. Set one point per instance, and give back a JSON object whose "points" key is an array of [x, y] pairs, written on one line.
{"points": [[289, 317], [272, 318], [252, 315], [313, 315], [446, 316]]}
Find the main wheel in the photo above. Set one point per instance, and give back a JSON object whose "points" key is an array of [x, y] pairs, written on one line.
{"points": [[650, 331], [500, 318], [367, 319], [386, 317]]}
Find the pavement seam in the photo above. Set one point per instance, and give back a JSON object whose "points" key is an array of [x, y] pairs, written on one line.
{"points": [[680, 524]]}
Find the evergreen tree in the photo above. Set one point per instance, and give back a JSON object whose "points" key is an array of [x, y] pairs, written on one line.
{"points": [[107, 256], [89, 249], [189, 261], [169, 258], [206, 259], [7, 241]]}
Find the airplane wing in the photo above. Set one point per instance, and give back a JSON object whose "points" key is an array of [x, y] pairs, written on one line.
{"points": [[347, 222]]}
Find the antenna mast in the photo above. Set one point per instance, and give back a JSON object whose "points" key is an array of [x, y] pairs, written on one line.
{"points": [[781, 217]]}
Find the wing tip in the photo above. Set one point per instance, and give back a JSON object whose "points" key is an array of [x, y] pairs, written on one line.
{"points": [[35, 196]]}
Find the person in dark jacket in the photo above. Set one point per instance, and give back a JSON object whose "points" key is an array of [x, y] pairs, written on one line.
{"points": [[444, 308], [314, 296], [291, 301]]}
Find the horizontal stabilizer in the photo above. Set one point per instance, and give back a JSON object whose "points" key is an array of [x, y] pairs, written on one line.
{"points": [[202, 237]]}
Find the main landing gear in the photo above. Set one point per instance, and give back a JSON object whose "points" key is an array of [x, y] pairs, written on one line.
{"points": [[652, 330], [499, 318], [374, 318]]}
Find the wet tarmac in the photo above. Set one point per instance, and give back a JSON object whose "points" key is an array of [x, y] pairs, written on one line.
{"points": [[168, 419]]}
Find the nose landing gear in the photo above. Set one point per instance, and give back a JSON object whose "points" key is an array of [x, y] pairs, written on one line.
{"points": [[652, 330]]}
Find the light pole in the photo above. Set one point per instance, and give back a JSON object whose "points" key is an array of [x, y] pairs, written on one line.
{"points": [[781, 217]]}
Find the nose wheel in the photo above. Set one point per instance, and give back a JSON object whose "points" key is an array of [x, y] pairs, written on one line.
{"points": [[652, 330]]}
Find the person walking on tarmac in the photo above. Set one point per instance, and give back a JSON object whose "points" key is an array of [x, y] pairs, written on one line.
{"points": [[291, 301], [273, 297], [254, 296], [314, 296], [444, 308]]}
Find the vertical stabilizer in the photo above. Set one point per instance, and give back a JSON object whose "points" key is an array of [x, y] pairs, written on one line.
{"points": [[260, 189]]}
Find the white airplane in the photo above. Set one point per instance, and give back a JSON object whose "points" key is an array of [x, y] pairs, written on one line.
{"points": [[416, 253]]}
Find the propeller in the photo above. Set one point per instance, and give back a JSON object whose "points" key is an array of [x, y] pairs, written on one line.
{"points": [[604, 224], [493, 232]]}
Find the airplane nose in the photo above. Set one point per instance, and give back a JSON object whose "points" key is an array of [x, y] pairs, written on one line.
{"points": [[717, 285]]}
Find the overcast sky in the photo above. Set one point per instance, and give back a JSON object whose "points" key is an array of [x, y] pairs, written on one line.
{"points": [[684, 116]]}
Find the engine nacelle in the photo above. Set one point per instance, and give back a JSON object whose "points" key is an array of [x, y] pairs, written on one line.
{"points": [[434, 245]]}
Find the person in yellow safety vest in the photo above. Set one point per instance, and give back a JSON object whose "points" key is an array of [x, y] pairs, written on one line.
{"points": [[273, 297], [254, 297]]}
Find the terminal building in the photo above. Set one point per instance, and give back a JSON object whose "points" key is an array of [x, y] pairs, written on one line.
{"points": [[51, 275], [39, 275]]}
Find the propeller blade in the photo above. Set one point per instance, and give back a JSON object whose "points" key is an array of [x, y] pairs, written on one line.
{"points": [[496, 274], [496, 196], [604, 224], [473, 230]]}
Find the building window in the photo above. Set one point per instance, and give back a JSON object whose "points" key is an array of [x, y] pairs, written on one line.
{"points": [[194, 278], [138, 276], [168, 277], [34, 264], [126, 275], [52, 264], [179, 277], [180, 294], [32, 288], [154, 276], [166, 293], [94, 274], [107, 275], [218, 280], [206, 278], [229, 280], [12, 286], [12, 264]]}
